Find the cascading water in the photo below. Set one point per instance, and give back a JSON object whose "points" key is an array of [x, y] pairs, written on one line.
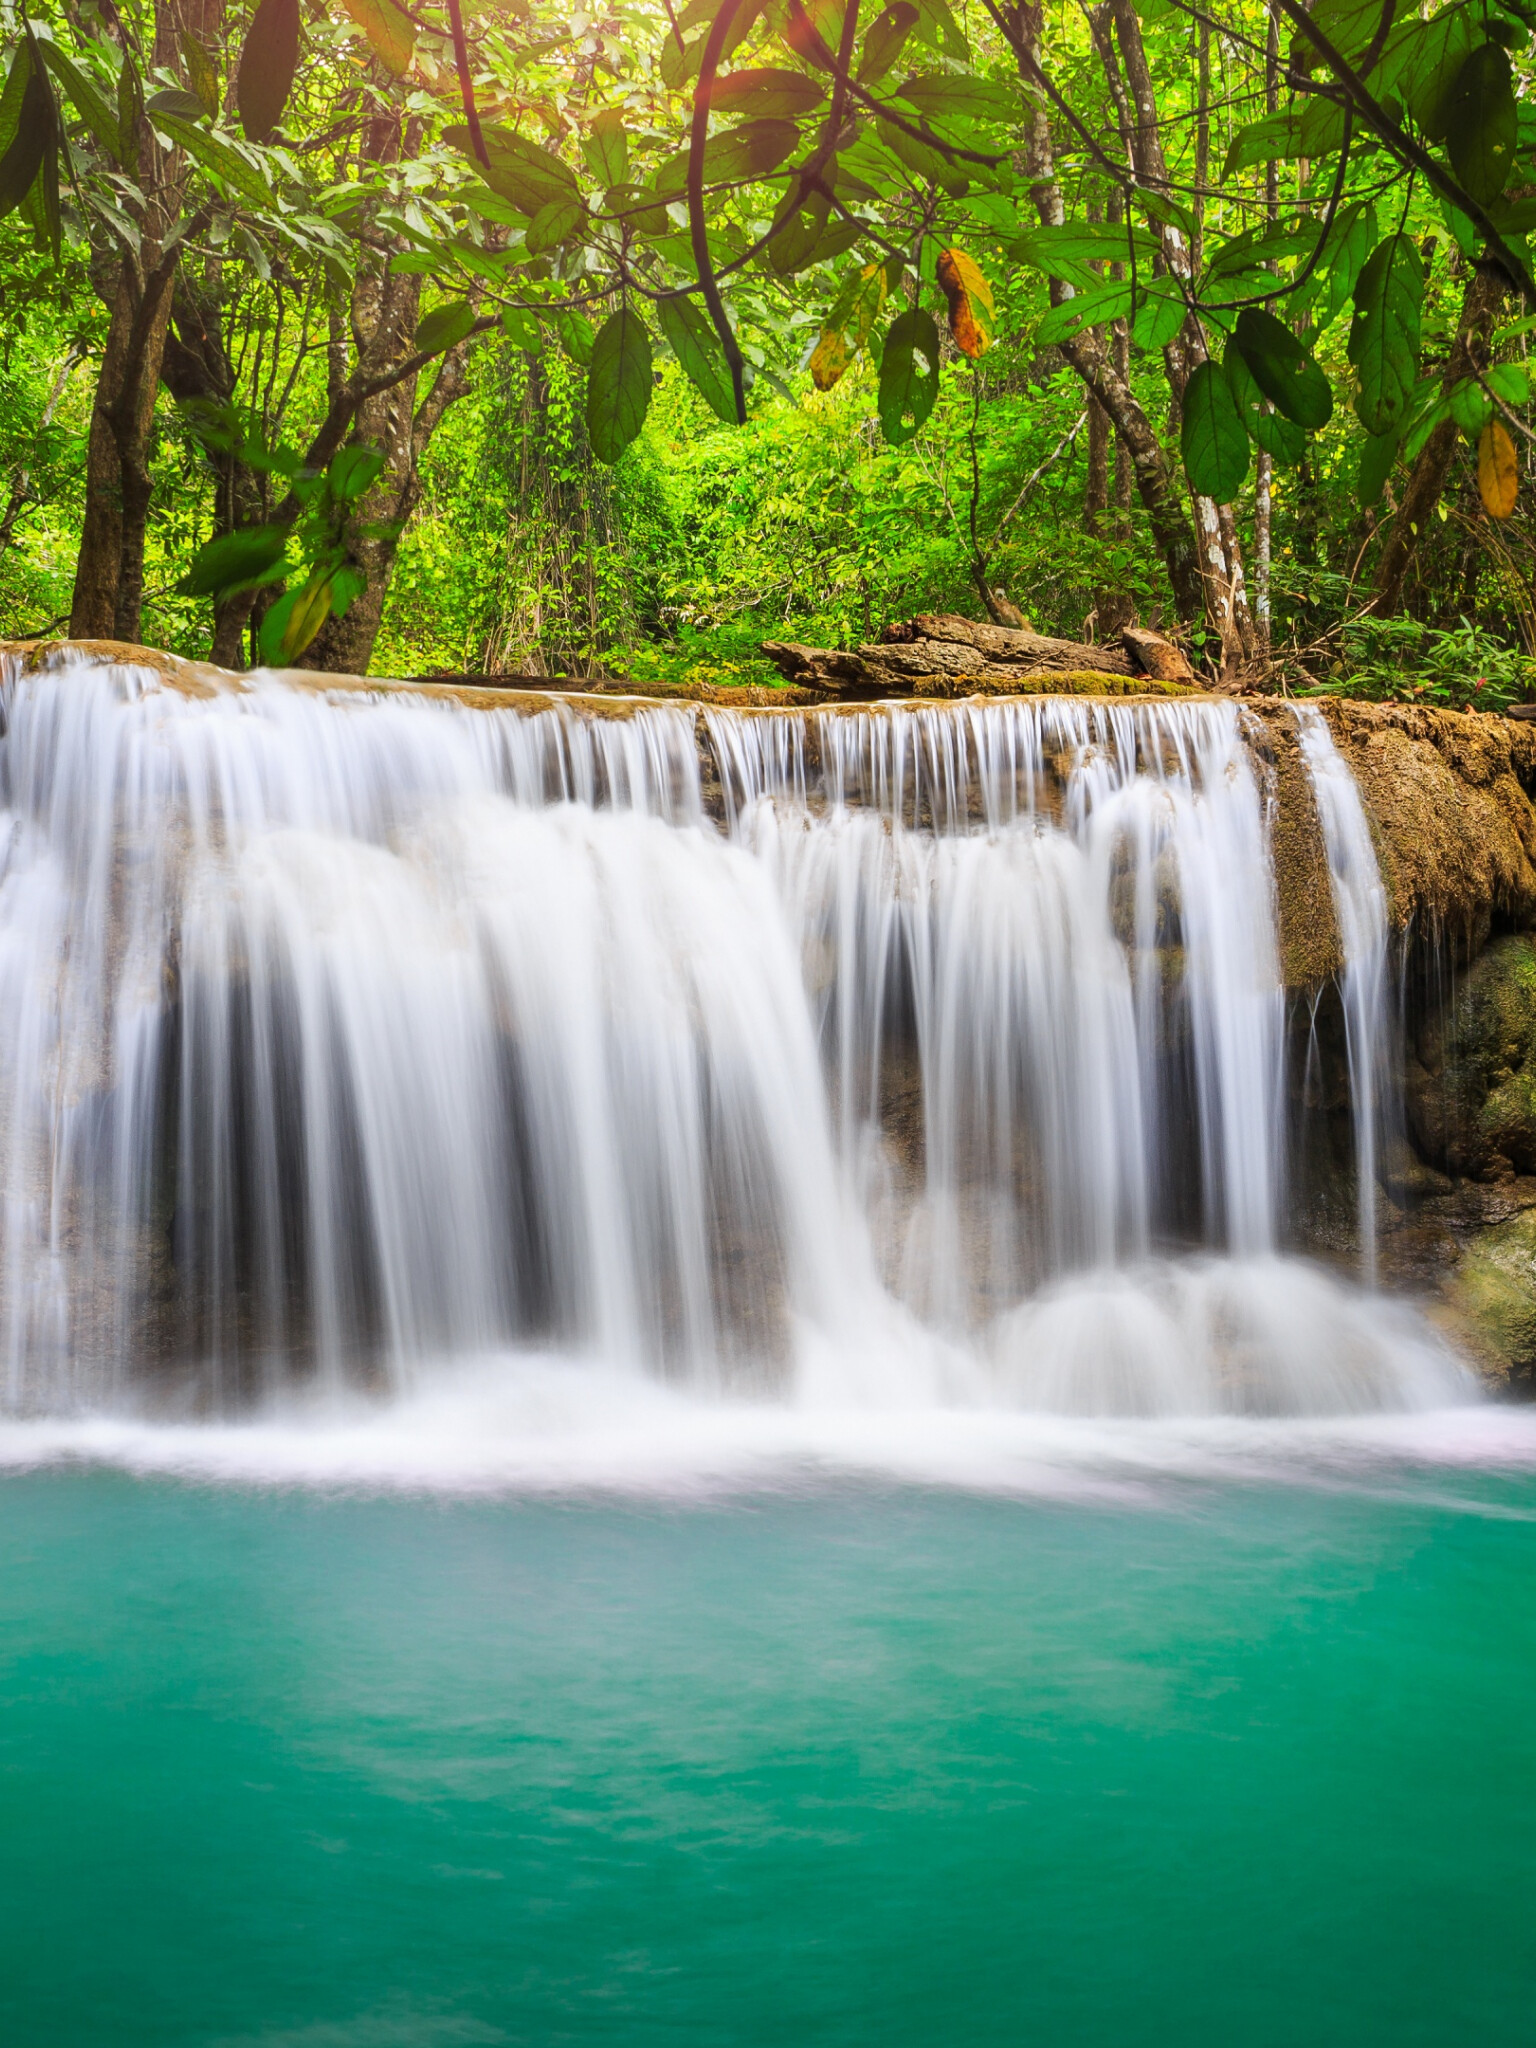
{"points": [[350, 1033], [1360, 908]]}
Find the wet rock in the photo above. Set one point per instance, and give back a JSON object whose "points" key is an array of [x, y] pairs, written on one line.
{"points": [[1470, 1079], [1493, 1293]]}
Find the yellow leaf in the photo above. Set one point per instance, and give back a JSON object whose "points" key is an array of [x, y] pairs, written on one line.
{"points": [[1498, 470], [309, 614], [830, 357], [390, 31], [970, 301]]}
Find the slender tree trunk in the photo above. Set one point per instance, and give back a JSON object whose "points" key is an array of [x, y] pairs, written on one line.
{"points": [[1089, 358], [1096, 485], [109, 574], [1480, 304], [1226, 600], [1264, 467]]}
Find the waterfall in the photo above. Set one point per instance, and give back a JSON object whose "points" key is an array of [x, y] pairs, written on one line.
{"points": [[1360, 908], [878, 1056]]}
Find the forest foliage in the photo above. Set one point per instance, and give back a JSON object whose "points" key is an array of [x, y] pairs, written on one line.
{"points": [[461, 337]]}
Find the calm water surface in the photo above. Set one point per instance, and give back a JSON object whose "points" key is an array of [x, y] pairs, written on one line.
{"points": [[1239, 1764]]}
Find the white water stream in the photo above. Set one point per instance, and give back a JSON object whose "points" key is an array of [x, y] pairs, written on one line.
{"points": [[351, 1039]]}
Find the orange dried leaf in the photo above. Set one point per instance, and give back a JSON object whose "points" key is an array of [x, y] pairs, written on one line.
{"points": [[970, 301], [1498, 470]]}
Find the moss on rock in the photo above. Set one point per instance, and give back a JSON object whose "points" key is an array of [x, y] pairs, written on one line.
{"points": [[1494, 1295], [1471, 1080]]}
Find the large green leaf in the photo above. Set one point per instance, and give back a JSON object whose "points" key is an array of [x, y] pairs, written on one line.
{"points": [[391, 32], [1093, 308], [909, 374], [752, 150], [243, 560], [518, 169], [1279, 437], [1261, 142], [691, 336], [1282, 368], [553, 224], [444, 327], [928, 165], [952, 96], [606, 147], [1384, 336], [794, 246], [1482, 123], [885, 39], [32, 138], [222, 160], [1213, 438], [618, 384], [765, 93], [938, 28], [1378, 452], [268, 60], [1352, 240], [89, 102]]}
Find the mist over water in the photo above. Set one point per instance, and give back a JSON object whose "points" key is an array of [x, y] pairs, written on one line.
{"points": [[361, 1046]]}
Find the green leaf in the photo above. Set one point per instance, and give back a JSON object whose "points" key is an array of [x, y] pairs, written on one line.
{"points": [[519, 170], [15, 93], [909, 374], [33, 137], [606, 147], [764, 92], [1275, 434], [637, 207], [88, 101], [1070, 251], [1092, 308], [950, 96], [1482, 123], [576, 336], [222, 160], [1272, 139], [1322, 128], [1282, 368], [390, 31], [1384, 336], [1352, 240], [691, 336], [741, 154], [680, 62], [1158, 319], [268, 60], [927, 164], [1471, 407], [184, 106], [1378, 452], [201, 75], [937, 27], [444, 327], [794, 246], [1509, 381], [885, 39], [1256, 248], [1213, 439], [243, 560], [553, 224], [352, 472], [1350, 25], [618, 384]]}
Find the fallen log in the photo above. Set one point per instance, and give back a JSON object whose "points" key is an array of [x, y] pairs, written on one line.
{"points": [[939, 654]]}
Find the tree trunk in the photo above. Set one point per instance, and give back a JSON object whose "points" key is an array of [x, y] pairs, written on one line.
{"points": [[1088, 357], [1481, 300], [109, 574], [1226, 601]]}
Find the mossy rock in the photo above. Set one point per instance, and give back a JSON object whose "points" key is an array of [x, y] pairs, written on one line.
{"points": [[1494, 1291], [1472, 1091]]}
